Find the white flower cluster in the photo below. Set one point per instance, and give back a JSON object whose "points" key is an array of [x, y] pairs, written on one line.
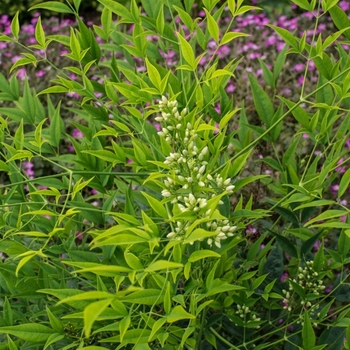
{"points": [[309, 280], [243, 312], [188, 185]]}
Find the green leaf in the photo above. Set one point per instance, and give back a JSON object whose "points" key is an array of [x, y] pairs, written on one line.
{"points": [[29, 255], [7, 312], [153, 74], [99, 269], [187, 51], [160, 23], [198, 235], [56, 126], [31, 332], [203, 254], [329, 214], [53, 338], [279, 63], [307, 245], [54, 321], [118, 9], [145, 297], [286, 245], [262, 102], [179, 313], [222, 288], [54, 6], [156, 205], [231, 36], [133, 261], [162, 265], [340, 19], [91, 314], [286, 36], [212, 26], [87, 296], [304, 4], [15, 25], [11, 344], [308, 333], [268, 76], [185, 17], [123, 326], [344, 183], [40, 34], [57, 89], [107, 156], [133, 336]]}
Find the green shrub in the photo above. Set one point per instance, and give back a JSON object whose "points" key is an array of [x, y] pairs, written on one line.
{"points": [[157, 239]]}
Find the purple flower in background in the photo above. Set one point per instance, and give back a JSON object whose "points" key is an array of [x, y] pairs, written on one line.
{"points": [[28, 169], [21, 74], [344, 5], [284, 277], [40, 73], [340, 169], [77, 134], [299, 67]]}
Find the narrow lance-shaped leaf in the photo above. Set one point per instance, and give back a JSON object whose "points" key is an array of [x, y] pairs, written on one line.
{"points": [[31, 332], [156, 205], [186, 51], [340, 19], [344, 183], [308, 333], [40, 34], [91, 314], [286, 35], [179, 313], [212, 26], [15, 25], [153, 74], [56, 126], [262, 102], [53, 6]]}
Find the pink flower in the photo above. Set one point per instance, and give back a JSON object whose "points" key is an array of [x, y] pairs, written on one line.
{"points": [[230, 88], [40, 73], [340, 169], [77, 134], [299, 67], [284, 277], [301, 80], [344, 5], [21, 74]]}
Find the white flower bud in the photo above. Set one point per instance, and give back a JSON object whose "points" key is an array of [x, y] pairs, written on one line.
{"points": [[166, 193], [192, 198], [230, 188], [171, 235], [159, 119], [227, 182], [201, 169]]}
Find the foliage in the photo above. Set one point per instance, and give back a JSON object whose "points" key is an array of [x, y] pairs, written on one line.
{"points": [[143, 238]]}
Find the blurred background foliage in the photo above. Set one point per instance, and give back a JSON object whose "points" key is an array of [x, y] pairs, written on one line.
{"points": [[10, 7]]}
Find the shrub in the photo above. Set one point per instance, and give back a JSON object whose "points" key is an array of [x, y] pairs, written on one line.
{"points": [[152, 232]]}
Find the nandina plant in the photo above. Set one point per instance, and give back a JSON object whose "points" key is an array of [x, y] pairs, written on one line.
{"points": [[147, 230]]}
